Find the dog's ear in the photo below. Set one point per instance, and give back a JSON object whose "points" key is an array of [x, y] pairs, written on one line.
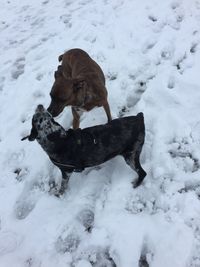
{"points": [[60, 58], [79, 84], [55, 74], [33, 135], [58, 72]]}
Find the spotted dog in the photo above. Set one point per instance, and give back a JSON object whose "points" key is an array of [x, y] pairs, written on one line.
{"points": [[74, 150]]}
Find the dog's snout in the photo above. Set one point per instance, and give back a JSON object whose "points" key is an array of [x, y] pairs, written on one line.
{"points": [[52, 111], [40, 108]]}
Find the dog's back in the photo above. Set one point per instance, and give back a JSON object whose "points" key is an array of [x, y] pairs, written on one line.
{"points": [[125, 128], [122, 132], [77, 63]]}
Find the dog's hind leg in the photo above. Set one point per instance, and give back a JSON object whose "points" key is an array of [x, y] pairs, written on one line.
{"points": [[107, 110], [132, 158]]}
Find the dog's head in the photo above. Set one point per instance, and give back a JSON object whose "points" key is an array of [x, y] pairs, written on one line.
{"points": [[44, 126], [65, 92]]}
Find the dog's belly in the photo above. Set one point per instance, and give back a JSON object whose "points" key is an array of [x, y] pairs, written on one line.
{"points": [[97, 161], [96, 158], [88, 156], [97, 154]]}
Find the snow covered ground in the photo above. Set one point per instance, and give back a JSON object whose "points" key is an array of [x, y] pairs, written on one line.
{"points": [[150, 53]]}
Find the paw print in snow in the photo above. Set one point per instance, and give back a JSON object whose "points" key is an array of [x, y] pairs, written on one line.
{"points": [[18, 69]]}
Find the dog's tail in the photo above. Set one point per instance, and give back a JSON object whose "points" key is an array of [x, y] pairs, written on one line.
{"points": [[60, 58], [140, 116]]}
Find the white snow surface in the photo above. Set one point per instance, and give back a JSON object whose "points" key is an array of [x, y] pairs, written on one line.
{"points": [[149, 51]]}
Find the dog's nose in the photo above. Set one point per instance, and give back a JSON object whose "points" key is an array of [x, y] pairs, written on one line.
{"points": [[40, 108]]}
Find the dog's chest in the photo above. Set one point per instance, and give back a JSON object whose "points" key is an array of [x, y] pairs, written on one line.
{"points": [[87, 101]]}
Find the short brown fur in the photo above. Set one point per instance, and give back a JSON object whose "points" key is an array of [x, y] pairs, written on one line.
{"points": [[80, 83]]}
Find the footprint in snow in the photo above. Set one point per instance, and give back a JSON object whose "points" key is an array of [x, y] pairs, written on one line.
{"points": [[194, 47], [39, 76], [148, 45], [182, 155], [38, 93], [45, 2], [28, 199], [146, 255], [191, 186], [18, 68], [2, 79], [171, 82], [9, 242], [81, 263], [167, 51], [152, 18], [135, 97], [21, 173], [175, 21], [102, 258], [111, 76], [66, 19], [179, 63], [70, 238], [123, 111], [68, 241], [98, 257], [86, 218], [175, 5], [139, 203]]}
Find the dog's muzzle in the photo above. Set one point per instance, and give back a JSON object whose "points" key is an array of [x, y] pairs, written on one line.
{"points": [[40, 109]]}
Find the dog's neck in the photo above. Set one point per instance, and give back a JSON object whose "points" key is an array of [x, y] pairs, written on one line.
{"points": [[44, 135]]}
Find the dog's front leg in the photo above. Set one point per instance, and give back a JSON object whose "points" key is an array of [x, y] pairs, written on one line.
{"points": [[76, 118], [64, 183]]}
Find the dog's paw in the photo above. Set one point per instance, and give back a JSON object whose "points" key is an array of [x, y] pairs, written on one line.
{"points": [[136, 183], [56, 189]]}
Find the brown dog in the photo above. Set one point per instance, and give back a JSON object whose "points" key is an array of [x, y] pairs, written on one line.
{"points": [[80, 83]]}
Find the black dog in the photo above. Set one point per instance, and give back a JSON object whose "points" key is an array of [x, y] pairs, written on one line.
{"points": [[74, 150]]}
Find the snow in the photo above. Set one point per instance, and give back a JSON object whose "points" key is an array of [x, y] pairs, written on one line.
{"points": [[150, 54]]}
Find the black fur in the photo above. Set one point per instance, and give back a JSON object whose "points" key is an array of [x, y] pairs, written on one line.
{"points": [[74, 150]]}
